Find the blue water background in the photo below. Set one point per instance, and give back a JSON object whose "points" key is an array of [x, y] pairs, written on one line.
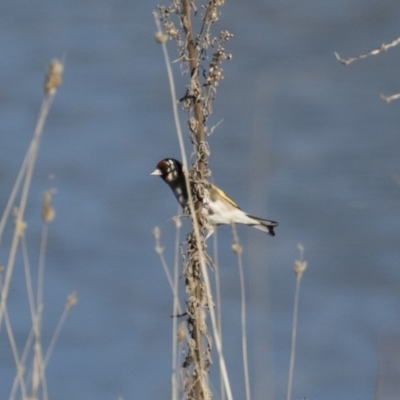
{"points": [[303, 140]]}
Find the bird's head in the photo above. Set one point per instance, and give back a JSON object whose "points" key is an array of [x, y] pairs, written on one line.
{"points": [[168, 169]]}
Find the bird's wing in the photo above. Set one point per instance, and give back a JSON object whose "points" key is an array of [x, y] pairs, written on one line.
{"points": [[215, 191]]}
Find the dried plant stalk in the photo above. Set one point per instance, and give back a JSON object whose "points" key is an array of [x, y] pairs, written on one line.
{"points": [[53, 80], [299, 268], [197, 101], [384, 47], [38, 385]]}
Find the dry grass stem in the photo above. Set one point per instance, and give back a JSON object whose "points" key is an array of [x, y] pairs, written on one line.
{"points": [[299, 267], [160, 251], [19, 221], [390, 98], [375, 52], [13, 344], [177, 335], [13, 195], [38, 376], [22, 365], [72, 300], [237, 249], [28, 278], [33, 377], [219, 304]]}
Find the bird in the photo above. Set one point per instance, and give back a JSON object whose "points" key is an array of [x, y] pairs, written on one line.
{"points": [[218, 207]]}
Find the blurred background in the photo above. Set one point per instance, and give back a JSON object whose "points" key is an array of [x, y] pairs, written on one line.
{"points": [[303, 141]]}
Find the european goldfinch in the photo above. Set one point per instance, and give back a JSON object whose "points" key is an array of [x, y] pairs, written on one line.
{"points": [[218, 207]]}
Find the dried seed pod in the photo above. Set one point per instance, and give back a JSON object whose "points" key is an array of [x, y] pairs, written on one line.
{"points": [[48, 212], [20, 227], [71, 300], [182, 333], [160, 37], [53, 77]]}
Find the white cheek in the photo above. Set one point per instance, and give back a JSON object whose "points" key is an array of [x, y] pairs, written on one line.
{"points": [[171, 176]]}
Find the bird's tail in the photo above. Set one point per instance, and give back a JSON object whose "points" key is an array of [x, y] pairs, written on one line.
{"points": [[264, 225]]}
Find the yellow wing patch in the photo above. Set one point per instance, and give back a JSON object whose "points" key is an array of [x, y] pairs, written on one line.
{"points": [[215, 192]]}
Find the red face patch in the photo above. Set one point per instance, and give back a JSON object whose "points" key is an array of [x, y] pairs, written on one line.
{"points": [[164, 167]]}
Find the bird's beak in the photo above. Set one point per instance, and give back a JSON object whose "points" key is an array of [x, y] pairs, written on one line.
{"points": [[156, 172]]}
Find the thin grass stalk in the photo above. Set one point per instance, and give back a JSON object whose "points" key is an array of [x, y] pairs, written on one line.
{"points": [[38, 376], [72, 299], [299, 268], [52, 82], [36, 327], [19, 370], [217, 282], [22, 364], [382, 49], [176, 308], [28, 278], [160, 251], [38, 370], [54, 338], [217, 336], [40, 362], [162, 40], [19, 223], [219, 304], [294, 335], [14, 192], [238, 250], [42, 257], [13, 344], [33, 310]]}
